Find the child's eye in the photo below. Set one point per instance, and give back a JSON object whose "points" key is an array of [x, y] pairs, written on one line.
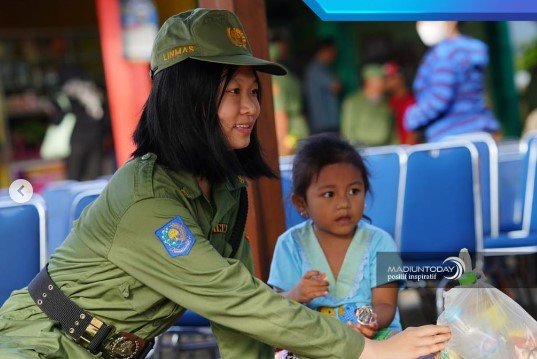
{"points": [[354, 191], [255, 92], [328, 194]]}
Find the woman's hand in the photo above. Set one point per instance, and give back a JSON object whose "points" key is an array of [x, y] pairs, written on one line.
{"points": [[312, 285], [409, 344]]}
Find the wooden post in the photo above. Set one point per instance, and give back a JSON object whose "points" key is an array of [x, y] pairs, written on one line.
{"points": [[265, 216], [127, 83]]}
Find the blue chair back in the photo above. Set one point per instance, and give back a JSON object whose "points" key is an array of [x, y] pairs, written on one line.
{"points": [[488, 178], [439, 207], [529, 214], [59, 199], [192, 319], [23, 244], [292, 217], [511, 186], [81, 201], [384, 165]]}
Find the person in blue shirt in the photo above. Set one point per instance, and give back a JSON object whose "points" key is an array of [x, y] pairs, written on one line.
{"points": [[449, 85], [321, 89], [329, 262]]}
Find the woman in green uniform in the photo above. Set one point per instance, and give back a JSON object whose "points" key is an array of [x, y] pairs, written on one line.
{"points": [[161, 236]]}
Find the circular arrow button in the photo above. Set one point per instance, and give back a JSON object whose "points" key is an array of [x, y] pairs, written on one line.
{"points": [[21, 191]]}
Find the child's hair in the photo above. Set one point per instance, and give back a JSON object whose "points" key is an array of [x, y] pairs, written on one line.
{"points": [[180, 124], [319, 151]]}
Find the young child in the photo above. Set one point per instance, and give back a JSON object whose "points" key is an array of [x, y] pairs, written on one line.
{"points": [[329, 262]]}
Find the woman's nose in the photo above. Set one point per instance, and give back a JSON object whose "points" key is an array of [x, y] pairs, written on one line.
{"points": [[249, 105]]}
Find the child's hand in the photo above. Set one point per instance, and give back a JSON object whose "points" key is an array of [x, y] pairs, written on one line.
{"points": [[409, 344], [368, 330], [312, 285]]}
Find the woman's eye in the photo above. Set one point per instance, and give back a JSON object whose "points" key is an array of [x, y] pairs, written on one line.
{"points": [[234, 91], [328, 194]]}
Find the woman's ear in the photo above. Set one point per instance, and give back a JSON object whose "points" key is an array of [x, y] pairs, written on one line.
{"points": [[300, 204]]}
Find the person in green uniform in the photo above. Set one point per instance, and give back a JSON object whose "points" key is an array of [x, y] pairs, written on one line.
{"points": [[290, 122], [366, 118], [160, 238]]}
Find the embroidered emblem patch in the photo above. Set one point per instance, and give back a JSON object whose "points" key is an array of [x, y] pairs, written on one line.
{"points": [[176, 237], [236, 36]]}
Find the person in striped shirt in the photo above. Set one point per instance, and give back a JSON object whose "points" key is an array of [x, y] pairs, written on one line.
{"points": [[449, 85]]}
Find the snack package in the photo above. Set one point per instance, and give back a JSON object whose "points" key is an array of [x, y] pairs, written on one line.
{"points": [[486, 323]]}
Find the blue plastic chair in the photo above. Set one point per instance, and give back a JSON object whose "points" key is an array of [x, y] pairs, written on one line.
{"points": [[510, 185], [190, 323], [23, 249], [439, 209], [59, 199], [488, 177], [384, 165], [524, 240], [292, 217]]}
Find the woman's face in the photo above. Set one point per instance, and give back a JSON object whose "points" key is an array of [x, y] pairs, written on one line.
{"points": [[239, 108]]}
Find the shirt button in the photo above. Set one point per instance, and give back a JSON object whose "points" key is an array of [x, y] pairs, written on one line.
{"points": [[146, 156]]}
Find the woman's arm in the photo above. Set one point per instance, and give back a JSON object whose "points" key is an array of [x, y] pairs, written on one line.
{"points": [[220, 289]]}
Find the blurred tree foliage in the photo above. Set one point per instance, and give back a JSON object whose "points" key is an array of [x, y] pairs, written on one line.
{"points": [[528, 60]]}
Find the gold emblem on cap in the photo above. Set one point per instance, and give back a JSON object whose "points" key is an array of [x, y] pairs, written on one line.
{"points": [[236, 36]]}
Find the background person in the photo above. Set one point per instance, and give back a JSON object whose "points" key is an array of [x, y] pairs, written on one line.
{"points": [[400, 99], [449, 86], [366, 117], [321, 89], [290, 122]]}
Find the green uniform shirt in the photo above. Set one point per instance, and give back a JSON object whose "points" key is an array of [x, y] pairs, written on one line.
{"points": [[287, 97], [115, 266], [365, 122]]}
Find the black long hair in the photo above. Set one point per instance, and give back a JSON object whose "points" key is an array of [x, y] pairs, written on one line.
{"points": [[319, 151], [179, 123]]}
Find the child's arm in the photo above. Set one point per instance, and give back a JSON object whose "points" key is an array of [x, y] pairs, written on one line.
{"points": [[384, 306], [311, 286], [385, 303]]}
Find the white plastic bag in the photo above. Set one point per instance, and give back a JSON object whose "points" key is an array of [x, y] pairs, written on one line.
{"points": [[57, 141], [486, 323]]}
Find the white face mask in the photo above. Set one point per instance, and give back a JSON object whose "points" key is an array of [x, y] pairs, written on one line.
{"points": [[432, 32]]}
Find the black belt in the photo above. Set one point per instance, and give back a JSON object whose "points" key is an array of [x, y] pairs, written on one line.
{"points": [[81, 326]]}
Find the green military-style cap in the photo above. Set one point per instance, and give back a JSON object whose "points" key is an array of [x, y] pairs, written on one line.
{"points": [[206, 35], [372, 70]]}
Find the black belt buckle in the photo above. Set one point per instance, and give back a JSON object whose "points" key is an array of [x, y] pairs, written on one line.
{"points": [[126, 346]]}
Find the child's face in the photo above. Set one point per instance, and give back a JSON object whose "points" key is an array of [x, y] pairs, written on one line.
{"points": [[335, 200], [239, 108]]}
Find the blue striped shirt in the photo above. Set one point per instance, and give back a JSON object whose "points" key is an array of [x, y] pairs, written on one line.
{"points": [[449, 90]]}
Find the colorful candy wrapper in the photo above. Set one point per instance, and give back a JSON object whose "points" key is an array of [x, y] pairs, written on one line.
{"points": [[364, 315]]}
